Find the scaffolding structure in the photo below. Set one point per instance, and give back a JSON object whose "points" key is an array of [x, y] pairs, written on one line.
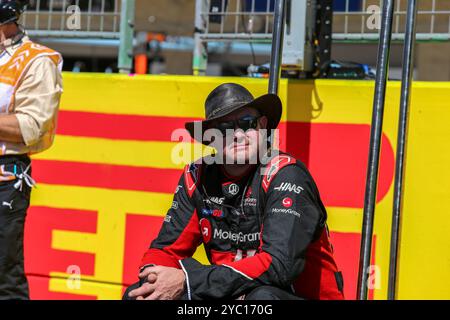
{"points": [[357, 21], [353, 21], [86, 20]]}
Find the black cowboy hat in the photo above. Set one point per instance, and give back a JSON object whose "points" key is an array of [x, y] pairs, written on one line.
{"points": [[229, 97]]}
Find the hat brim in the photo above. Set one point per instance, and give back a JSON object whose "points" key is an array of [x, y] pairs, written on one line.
{"points": [[268, 105]]}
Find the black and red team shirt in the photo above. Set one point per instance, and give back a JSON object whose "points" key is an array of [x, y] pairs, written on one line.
{"points": [[266, 228]]}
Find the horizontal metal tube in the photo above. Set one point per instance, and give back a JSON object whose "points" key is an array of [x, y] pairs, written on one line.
{"points": [[237, 36], [73, 34], [395, 36]]}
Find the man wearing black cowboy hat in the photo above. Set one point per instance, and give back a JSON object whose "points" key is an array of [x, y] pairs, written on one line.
{"points": [[30, 91], [262, 224]]}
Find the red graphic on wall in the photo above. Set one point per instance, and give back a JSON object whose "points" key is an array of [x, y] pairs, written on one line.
{"points": [[335, 154]]}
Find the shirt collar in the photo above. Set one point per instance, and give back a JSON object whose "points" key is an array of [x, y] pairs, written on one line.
{"points": [[10, 45]]}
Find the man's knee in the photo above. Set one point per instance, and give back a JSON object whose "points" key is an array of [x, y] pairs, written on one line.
{"points": [[261, 293], [270, 293]]}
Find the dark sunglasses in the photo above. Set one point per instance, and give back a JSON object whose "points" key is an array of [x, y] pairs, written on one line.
{"points": [[245, 123]]}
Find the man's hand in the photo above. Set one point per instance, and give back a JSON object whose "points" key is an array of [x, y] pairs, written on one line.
{"points": [[160, 283]]}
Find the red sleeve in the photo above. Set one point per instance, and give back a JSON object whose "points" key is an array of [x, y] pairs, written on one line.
{"points": [[180, 235]]}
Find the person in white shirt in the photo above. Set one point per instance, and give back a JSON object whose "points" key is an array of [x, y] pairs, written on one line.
{"points": [[30, 92]]}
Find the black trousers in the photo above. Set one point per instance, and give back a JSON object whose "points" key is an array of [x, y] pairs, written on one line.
{"points": [[270, 293], [259, 293], [13, 210]]}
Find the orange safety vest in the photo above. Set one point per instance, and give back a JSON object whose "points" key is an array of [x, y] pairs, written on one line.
{"points": [[11, 75]]}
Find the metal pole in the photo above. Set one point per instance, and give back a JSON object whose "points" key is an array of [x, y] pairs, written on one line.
{"points": [[200, 57], [407, 78], [277, 45], [125, 63], [374, 150]]}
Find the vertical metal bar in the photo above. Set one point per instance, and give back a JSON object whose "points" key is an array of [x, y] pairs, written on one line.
{"points": [[102, 16], [116, 11], [374, 149], [407, 78], [448, 24], [251, 22], [347, 4], [277, 45], [363, 17], [77, 3], [63, 16], [236, 16], [50, 15], [36, 18], [206, 4], [200, 57], [125, 63], [89, 15], [222, 18], [397, 17], [433, 11]]}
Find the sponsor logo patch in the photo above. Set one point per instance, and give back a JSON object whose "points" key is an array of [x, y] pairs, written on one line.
{"points": [[216, 200], [290, 187], [233, 189], [287, 202], [205, 227], [288, 211], [175, 205], [236, 237], [250, 202], [212, 212]]}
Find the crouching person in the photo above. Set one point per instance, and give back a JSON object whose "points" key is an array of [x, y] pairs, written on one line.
{"points": [[262, 223]]}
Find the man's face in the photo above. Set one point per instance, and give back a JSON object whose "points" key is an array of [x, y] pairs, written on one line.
{"points": [[6, 30], [2, 33], [241, 146]]}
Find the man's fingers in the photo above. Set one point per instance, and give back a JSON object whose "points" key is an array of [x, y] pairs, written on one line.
{"points": [[152, 278], [145, 273], [148, 270], [156, 295], [144, 290]]}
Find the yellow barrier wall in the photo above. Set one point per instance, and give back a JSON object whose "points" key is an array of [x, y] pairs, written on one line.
{"points": [[109, 177]]}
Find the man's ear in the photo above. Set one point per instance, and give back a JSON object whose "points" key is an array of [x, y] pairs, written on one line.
{"points": [[263, 122]]}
